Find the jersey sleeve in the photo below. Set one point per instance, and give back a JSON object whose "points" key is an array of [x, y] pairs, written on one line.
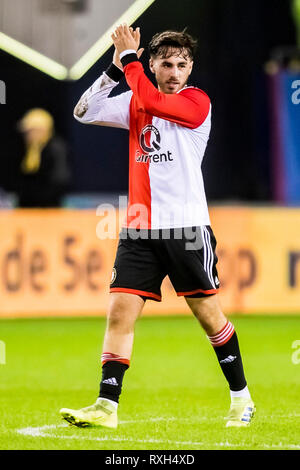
{"points": [[96, 107], [189, 107]]}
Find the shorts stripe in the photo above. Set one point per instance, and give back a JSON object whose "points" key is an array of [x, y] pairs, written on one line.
{"points": [[204, 250], [211, 258], [136, 292], [197, 291], [208, 255]]}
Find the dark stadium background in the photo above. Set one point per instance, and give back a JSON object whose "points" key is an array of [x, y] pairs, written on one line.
{"points": [[235, 39]]}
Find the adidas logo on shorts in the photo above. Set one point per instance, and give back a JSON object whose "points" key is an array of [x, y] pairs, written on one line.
{"points": [[111, 381]]}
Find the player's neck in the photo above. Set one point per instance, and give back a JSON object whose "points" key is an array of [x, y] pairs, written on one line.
{"points": [[170, 92]]}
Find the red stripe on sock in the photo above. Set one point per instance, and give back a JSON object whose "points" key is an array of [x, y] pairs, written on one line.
{"points": [[107, 357], [223, 336]]}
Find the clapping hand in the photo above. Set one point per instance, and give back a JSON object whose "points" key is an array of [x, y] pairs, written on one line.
{"points": [[125, 37]]}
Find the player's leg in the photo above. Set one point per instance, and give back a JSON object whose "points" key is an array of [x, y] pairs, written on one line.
{"points": [[136, 276], [191, 261], [223, 338], [208, 312], [123, 311]]}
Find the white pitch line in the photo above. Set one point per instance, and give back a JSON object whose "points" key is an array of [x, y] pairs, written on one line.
{"points": [[280, 445], [114, 439], [152, 420], [39, 431], [31, 431]]}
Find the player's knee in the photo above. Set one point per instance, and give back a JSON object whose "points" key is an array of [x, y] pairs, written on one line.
{"points": [[208, 313], [115, 318], [120, 319], [123, 311]]}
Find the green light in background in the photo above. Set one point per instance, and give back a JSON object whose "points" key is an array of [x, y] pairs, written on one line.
{"points": [[60, 72], [104, 43], [32, 57]]}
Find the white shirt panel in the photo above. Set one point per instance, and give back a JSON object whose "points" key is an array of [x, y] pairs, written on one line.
{"points": [[177, 190]]}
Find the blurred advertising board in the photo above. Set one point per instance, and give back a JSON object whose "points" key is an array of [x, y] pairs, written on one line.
{"points": [[285, 136], [59, 262]]}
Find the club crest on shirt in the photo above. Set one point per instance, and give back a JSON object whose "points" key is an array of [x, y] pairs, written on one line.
{"points": [[155, 144]]}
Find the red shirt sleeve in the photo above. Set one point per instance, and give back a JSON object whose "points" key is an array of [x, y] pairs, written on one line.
{"points": [[188, 108]]}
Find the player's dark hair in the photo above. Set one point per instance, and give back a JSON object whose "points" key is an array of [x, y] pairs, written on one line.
{"points": [[164, 44]]}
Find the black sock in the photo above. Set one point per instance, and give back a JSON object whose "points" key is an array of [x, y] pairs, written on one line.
{"points": [[230, 360], [112, 378], [227, 349]]}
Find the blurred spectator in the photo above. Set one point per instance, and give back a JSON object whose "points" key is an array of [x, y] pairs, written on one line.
{"points": [[43, 173], [7, 200]]}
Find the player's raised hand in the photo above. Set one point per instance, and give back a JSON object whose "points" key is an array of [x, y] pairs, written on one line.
{"points": [[136, 34], [140, 52], [136, 37], [125, 37]]}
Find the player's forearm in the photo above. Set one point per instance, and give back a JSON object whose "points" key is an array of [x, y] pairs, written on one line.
{"points": [[89, 105]]}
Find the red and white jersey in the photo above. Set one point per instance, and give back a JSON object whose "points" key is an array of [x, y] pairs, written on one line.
{"points": [[168, 134]]}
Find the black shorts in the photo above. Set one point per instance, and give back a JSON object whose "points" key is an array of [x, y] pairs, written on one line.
{"points": [[145, 257]]}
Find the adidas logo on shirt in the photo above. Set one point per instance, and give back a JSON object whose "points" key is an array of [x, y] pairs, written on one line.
{"points": [[111, 381], [228, 359]]}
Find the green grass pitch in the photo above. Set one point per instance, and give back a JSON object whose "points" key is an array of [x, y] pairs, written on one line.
{"points": [[174, 394]]}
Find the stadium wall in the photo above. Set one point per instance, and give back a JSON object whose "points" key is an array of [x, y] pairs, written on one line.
{"points": [[59, 262]]}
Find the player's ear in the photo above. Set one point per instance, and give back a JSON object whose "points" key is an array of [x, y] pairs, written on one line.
{"points": [[151, 65], [191, 67]]}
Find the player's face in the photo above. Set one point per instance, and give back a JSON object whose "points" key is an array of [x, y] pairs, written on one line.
{"points": [[172, 73]]}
